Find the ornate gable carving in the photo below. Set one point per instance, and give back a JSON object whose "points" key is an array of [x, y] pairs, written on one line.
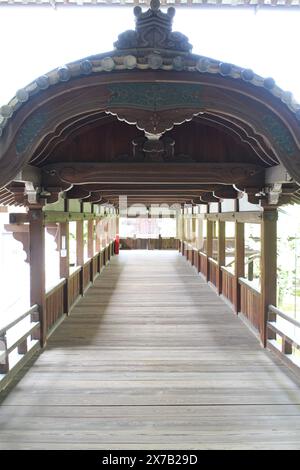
{"points": [[153, 31]]}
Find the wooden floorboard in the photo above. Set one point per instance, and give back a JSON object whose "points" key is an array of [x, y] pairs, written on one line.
{"points": [[152, 358]]}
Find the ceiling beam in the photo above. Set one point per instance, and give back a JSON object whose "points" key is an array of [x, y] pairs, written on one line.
{"points": [[156, 173]]}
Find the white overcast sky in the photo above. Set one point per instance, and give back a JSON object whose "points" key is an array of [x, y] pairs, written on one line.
{"points": [[34, 40]]}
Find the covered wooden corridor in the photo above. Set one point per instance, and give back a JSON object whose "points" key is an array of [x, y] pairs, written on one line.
{"points": [[151, 357], [148, 349]]}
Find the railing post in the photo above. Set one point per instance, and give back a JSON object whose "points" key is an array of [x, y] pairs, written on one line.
{"points": [[37, 266], [4, 362], [22, 348], [287, 348], [239, 264], [268, 266], [221, 254], [35, 317]]}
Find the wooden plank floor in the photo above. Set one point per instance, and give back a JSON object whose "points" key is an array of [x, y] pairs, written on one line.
{"points": [[152, 358]]}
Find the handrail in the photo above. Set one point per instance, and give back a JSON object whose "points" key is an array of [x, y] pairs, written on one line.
{"points": [[283, 315], [248, 284], [14, 322], [19, 343], [225, 270], [25, 335], [56, 287], [289, 340], [76, 271], [214, 261]]}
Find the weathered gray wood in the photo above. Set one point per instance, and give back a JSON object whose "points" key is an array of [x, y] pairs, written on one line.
{"points": [[152, 358]]}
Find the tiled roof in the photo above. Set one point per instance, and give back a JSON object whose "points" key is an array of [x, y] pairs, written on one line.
{"points": [[281, 3]]}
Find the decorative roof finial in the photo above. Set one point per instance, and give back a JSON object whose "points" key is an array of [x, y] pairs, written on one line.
{"points": [[153, 31], [154, 5]]}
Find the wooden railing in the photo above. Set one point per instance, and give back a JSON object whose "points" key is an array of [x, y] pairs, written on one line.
{"points": [[149, 243], [283, 336], [228, 285], [59, 302], [213, 271], [20, 339], [251, 304], [55, 304], [74, 287]]}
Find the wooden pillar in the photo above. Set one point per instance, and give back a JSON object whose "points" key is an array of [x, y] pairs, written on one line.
{"points": [[98, 244], [64, 249], [195, 241], [189, 232], [178, 229], [80, 251], [79, 243], [221, 254], [64, 259], [239, 264], [268, 266], [117, 224], [182, 230], [90, 240], [37, 266], [186, 224], [194, 220], [209, 246]]}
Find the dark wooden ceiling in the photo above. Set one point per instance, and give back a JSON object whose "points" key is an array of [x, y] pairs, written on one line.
{"points": [[105, 139]]}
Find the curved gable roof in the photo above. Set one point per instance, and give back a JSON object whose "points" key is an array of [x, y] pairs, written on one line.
{"points": [[151, 79]]}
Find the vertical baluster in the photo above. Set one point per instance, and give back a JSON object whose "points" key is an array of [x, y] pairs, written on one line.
{"points": [[22, 348], [4, 359], [271, 318], [287, 347]]}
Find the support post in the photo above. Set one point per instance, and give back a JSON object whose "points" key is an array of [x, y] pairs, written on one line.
{"points": [[79, 250], [98, 244], [209, 246], [91, 238], [268, 266], [182, 231], [79, 243], [221, 254], [37, 267], [90, 246], [117, 238], [194, 241], [64, 259], [239, 265]]}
